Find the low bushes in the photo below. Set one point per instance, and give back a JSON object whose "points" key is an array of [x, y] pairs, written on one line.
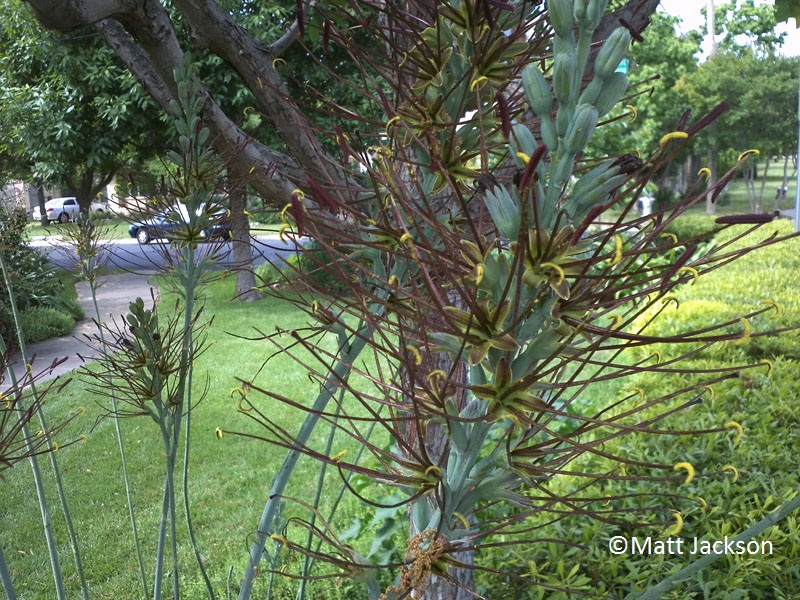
{"points": [[737, 482]]}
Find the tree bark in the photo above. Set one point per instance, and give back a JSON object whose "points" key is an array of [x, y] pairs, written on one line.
{"points": [[242, 248]]}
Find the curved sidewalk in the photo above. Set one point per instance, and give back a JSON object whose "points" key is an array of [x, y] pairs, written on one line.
{"points": [[114, 295]]}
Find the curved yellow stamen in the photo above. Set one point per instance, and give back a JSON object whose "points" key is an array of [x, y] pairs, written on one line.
{"points": [[461, 518], [704, 172], [247, 110], [55, 446], [417, 356], [671, 236], [768, 362], [218, 433], [476, 82], [523, 157], [240, 405], [640, 392], [435, 471], [739, 430], [617, 250], [394, 281], [314, 306], [778, 308], [693, 271], [657, 356], [479, 270], [279, 538], [674, 135], [282, 231], [390, 121], [437, 374], [748, 153], [557, 269], [745, 334], [675, 529], [84, 437], [634, 112], [733, 470], [686, 467], [338, 457], [276, 61], [285, 210], [617, 321], [668, 299], [703, 504], [710, 390], [407, 238], [238, 390]]}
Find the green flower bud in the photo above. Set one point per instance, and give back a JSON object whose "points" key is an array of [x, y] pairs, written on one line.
{"points": [[560, 13], [565, 81], [594, 12], [613, 89], [540, 97], [581, 128], [614, 49]]}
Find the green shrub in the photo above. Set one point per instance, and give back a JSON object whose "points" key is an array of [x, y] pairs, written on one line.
{"points": [[43, 322]]}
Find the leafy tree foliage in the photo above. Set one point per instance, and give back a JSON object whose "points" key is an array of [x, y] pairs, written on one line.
{"points": [[70, 113]]}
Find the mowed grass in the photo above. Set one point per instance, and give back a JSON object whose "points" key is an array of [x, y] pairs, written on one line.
{"points": [[229, 478]]}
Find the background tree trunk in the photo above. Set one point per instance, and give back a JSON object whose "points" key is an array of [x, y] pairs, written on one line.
{"points": [[242, 247]]}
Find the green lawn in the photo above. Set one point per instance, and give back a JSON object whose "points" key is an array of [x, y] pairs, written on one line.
{"points": [[113, 229], [229, 479]]}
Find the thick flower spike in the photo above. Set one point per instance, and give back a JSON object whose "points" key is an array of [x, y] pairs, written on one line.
{"points": [[674, 135], [686, 467], [675, 529], [733, 470], [739, 430]]}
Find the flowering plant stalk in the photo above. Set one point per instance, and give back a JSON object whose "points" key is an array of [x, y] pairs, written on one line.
{"points": [[487, 289]]}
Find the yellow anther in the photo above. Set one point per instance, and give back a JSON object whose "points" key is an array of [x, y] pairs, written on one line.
{"points": [[417, 356], [768, 362], [703, 504], [390, 121], [523, 157], [479, 270], [674, 135], [617, 321], [338, 457], [84, 437], [280, 539], [778, 308], [675, 529], [55, 446], [671, 236], [284, 210], [218, 433], [407, 239], [710, 391], [739, 430], [747, 153], [733, 470], [704, 172], [557, 269], [745, 334], [314, 306], [461, 518], [276, 61], [282, 231], [438, 374], [691, 270], [82, 410], [667, 299], [238, 390], [394, 281], [40, 433], [435, 471], [639, 392], [617, 250], [476, 82], [686, 467], [634, 112]]}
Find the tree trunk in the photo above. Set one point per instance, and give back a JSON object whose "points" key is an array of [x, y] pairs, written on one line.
{"points": [[760, 198], [712, 181], [242, 248]]}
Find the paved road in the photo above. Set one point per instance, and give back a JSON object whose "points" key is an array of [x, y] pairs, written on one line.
{"points": [[128, 254], [113, 297]]}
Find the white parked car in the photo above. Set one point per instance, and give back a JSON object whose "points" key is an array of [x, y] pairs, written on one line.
{"points": [[65, 209]]}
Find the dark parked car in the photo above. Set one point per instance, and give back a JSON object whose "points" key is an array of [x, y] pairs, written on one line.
{"points": [[164, 225]]}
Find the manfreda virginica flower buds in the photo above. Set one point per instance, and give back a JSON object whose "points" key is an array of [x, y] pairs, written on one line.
{"points": [[560, 13], [538, 91], [566, 84], [581, 128], [614, 49], [613, 89]]}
